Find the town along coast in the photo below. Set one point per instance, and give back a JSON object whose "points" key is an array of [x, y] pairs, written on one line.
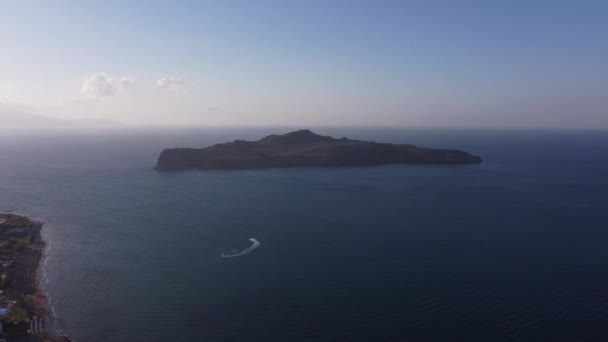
{"points": [[24, 307]]}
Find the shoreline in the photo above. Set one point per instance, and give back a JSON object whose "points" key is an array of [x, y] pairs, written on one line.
{"points": [[43, 305], [25, 289]]}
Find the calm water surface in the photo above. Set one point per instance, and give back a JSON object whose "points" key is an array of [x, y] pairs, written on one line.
{"points": [[514, 248]]}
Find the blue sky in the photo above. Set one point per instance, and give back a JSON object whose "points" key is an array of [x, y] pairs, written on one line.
{"points": [[416, 63]]}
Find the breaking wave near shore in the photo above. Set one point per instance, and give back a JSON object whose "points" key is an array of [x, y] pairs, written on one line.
{"points": [[235, 253]]}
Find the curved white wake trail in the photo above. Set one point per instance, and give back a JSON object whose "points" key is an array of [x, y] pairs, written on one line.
{"points": [[255, 244]]}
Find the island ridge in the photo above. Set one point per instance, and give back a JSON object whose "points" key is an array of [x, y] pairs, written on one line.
{"points": [[304, 148]]}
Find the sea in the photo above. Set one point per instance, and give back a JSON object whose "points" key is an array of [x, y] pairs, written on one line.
{"points": [[515, 248]]}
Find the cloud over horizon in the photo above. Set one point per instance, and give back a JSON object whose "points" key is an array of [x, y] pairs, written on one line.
{"points": [[102, 85], [125, 83], [170, 83]]}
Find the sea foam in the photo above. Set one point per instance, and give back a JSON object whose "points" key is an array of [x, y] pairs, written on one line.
{"points": [[234, 253]]}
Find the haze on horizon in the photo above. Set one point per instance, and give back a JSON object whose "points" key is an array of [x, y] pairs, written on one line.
{"points": [[381, 63]]}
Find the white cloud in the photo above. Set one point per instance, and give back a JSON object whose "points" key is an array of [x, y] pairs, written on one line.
{"points": [[125, 83], [101, 84], [170, 83]]}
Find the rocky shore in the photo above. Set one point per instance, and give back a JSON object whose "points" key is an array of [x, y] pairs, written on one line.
{"points": [[24, 308]]}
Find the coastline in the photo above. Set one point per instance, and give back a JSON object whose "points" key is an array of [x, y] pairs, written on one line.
{"points": [[25, 290]]}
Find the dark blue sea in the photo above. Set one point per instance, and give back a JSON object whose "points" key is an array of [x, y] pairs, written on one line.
{"points": [[515, 248]]}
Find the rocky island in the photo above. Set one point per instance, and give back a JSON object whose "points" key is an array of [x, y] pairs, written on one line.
{"points": [[304, 148]]}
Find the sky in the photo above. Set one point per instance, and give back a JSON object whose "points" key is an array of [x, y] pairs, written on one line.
{"points": [[357, 63]]}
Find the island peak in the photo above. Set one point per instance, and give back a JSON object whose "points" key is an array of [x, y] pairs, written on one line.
{"points": [[303, 136]]}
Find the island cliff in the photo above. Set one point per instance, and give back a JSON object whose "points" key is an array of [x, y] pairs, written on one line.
{"points": [[303, 148]]}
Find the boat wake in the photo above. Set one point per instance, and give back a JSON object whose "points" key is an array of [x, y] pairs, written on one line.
{"points": [[234, 253]]}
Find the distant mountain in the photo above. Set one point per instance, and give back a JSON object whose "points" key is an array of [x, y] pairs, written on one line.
{"points": [[13, 119], [304, 148]]}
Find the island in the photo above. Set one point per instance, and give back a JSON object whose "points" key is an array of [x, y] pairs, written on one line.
{"points": [[24, 308], [304, 148]]}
